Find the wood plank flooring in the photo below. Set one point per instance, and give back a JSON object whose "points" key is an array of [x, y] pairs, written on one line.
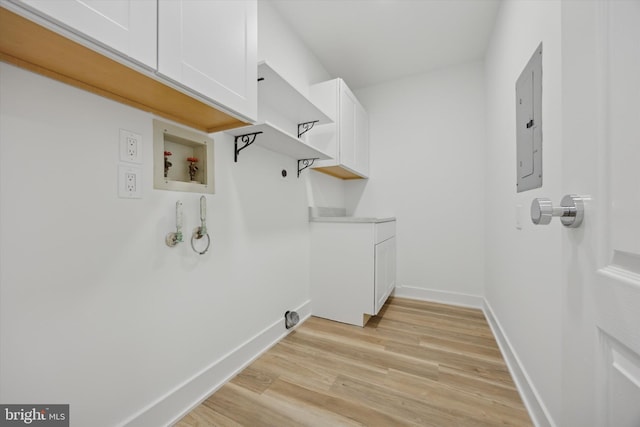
{"points": [[415, 364]]}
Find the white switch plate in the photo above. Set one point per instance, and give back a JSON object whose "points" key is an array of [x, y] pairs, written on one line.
{"points": [[129, 182], [519, 216], [130, 147]]}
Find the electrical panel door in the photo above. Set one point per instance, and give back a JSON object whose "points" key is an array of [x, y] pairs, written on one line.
{"points": [[529, 124]]}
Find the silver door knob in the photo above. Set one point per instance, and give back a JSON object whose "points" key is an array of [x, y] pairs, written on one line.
{"points": [[571, 211]]}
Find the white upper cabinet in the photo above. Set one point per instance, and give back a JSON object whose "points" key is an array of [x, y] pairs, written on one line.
{"points": [[210, 47], [127, 26], [346, 140]]}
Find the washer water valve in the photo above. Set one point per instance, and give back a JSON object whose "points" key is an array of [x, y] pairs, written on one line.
{"points": [[174, 238]]}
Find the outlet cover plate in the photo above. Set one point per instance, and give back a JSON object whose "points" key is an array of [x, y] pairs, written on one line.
{"points": [[129, 182], [130, 147]]}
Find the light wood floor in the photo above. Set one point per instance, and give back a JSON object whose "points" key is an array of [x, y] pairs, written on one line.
{"points": [[417, 363]]}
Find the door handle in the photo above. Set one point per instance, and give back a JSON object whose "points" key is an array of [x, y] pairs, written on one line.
{"points": [[570, 211]]}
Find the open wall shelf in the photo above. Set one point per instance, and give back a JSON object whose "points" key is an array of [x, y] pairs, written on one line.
{"points": [[275, 139], [283, 112], [277, 94]]}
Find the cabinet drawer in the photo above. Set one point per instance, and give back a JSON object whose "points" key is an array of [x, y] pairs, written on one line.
{"points": [[384, 231]]}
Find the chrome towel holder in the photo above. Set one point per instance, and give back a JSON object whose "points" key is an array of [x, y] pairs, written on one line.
{"points": [[173, 238], [201, 231]]}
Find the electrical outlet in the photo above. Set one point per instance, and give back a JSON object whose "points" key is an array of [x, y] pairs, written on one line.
{"points": [[129, 182], [130, 147]]}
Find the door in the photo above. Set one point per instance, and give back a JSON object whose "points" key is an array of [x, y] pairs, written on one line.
{"points": [[601, 160], [211, 48], [128, 26]]}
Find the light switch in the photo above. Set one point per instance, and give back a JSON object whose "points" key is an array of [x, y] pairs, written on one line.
{"points": [[529, 124], [519, 216]]}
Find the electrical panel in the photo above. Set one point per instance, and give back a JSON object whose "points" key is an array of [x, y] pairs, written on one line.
{"points": [[529, 124]]}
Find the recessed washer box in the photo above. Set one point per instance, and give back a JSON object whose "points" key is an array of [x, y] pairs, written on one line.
{"points": [[174, 151], [529, 124]]}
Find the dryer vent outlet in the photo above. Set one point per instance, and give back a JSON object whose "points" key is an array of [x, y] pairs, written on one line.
{"points": [[291, 319]]}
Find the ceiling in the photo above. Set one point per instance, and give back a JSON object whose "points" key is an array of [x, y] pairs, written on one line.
{"points": [[367, 42]]}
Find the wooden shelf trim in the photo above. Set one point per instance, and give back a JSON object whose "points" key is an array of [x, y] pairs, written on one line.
{"points": [[38, 49], [338, 172]]}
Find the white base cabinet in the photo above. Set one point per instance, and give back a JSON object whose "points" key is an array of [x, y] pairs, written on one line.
{"points": [[385, 271], [353, 269]]}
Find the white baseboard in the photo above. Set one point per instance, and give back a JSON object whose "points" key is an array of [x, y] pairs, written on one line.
{"points": [[453, 298], [537, 411], [181, 400]]}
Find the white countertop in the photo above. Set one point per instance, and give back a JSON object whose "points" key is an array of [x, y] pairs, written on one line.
{"points": [[350, 219], [323, 214]]}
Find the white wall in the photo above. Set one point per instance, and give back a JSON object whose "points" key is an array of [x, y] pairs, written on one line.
{"points": [[523, 267], [427, 169], [95, 310], [278, 45]]}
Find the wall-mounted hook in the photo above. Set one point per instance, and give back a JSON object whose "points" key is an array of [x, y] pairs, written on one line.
{"points": [[174, 238], [200, 232]]}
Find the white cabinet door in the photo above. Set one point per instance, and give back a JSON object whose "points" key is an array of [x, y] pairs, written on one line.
{"points": [[210, 47], [347, 132], [385, 271], [361, 141], [354, 132], [127, 26]]}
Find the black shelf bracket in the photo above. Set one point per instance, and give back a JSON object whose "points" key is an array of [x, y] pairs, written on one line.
{"points": [[247, 140], [305, 164], [305, 127]]}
